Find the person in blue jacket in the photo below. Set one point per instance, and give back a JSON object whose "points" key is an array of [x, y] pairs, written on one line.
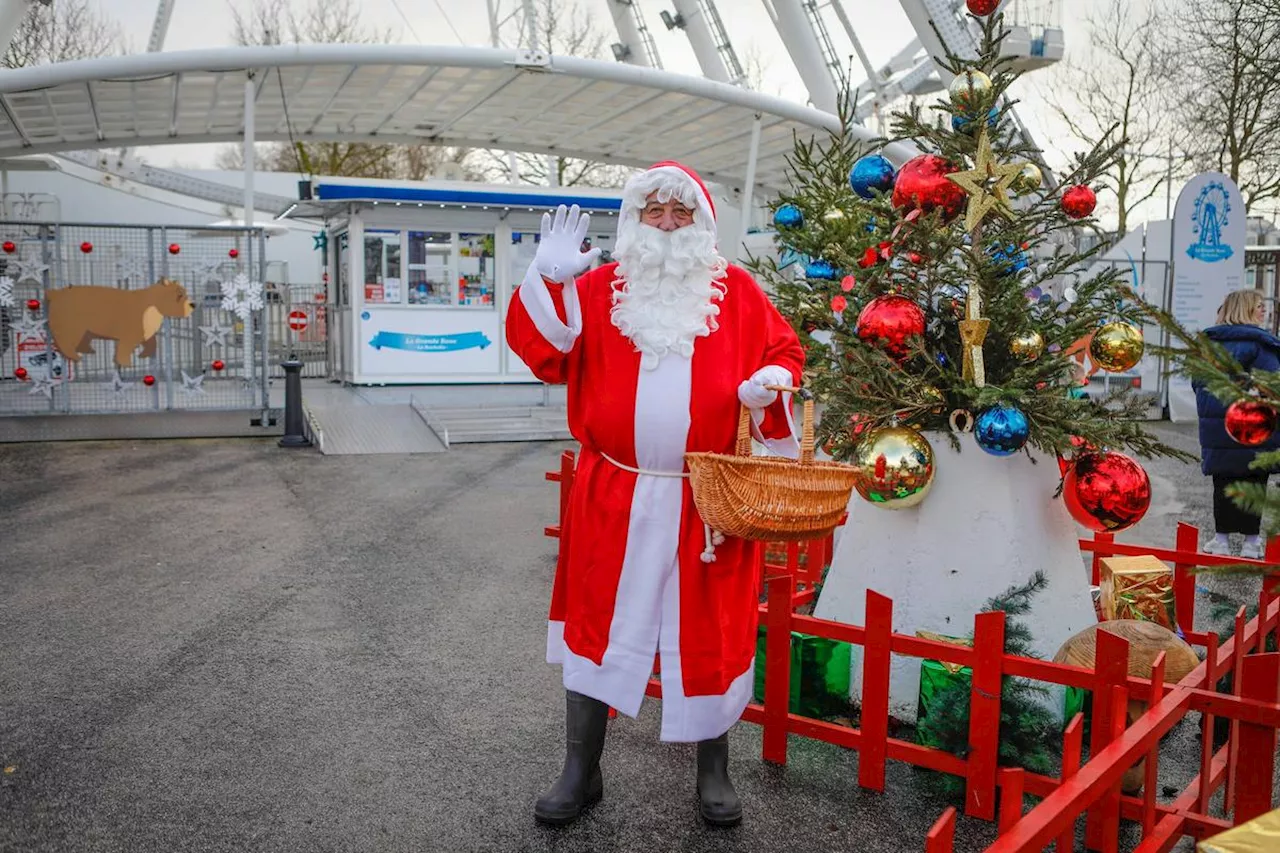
{"points": [[1240, 332]]}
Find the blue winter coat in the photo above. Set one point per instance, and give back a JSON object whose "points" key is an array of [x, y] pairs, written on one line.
{"points": [[1256, 349]]}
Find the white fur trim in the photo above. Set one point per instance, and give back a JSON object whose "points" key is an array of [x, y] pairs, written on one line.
{"points": [[542, 310], [670, 179]]}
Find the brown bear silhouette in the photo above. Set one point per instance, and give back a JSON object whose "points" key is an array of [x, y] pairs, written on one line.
{"points": [[129, 317]]}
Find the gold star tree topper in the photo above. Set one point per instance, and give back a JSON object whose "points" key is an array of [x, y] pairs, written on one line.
{"points": [[984, 200]]}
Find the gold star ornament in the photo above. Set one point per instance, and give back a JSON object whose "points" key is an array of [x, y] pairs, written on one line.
{"points": [[988, 185]]}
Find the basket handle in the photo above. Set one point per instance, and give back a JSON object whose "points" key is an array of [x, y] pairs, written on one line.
{"points": [[806, 429]]}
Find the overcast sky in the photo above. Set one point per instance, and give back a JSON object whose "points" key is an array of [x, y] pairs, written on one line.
{"points": [[882, 27]]}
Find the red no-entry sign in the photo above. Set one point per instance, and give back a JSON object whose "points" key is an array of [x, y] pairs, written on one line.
{"points": [[297, 320]]}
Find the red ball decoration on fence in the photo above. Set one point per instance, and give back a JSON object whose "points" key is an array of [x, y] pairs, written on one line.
{"points": [[21, 373], [86, 247], [148, 380], [10, 247], [233, 253], [1106, 492], [218, 365], [890, 322], [922, 183], [982, 8], [174, 248], [1251, 422], [33, 304], [1079, 202]]}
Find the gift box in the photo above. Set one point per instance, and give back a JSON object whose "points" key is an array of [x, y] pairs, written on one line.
{"points": [[937, 678], [820, 670], [1138, 588], [1260, 835]]}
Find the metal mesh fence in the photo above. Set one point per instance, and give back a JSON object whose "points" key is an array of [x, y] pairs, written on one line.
{"points": [[134, 341]]}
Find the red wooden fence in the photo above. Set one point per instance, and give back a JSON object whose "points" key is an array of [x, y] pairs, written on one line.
{"points": [[1245, 765]]}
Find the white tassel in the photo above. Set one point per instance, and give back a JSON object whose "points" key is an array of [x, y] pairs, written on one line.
{"points": [[709, 553]]}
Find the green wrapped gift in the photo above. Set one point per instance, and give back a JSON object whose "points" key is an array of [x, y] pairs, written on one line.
{"points": [[936, 679], [819, 674]]}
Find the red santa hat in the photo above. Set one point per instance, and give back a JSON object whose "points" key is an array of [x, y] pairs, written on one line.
{"points": [[662, 175]]}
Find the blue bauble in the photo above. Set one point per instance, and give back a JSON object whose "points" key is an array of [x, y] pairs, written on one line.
{"points": [[788, 216], [1002, 430], [870, 175], [942, 360], [820, 269], [960, 124], [1011, 259]]}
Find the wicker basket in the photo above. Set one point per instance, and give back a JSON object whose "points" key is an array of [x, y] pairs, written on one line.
{"points": [[770, 498]]}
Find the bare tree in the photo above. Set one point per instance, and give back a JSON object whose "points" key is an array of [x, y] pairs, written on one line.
{"points": [[567, 28], [64, 31], [1224, 72], [1115, 89], [266, 22]]}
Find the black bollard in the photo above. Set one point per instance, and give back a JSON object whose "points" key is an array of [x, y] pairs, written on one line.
{"points": [[293, 435]]}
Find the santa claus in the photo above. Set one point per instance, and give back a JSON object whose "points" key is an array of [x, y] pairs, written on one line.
{"points": [[659, 350]]}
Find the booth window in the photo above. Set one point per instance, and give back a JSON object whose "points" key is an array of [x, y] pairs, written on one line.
{"points": [[475, 270], [430, 267], [382, 267]]}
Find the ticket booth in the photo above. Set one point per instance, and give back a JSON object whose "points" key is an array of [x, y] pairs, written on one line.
{"points": [[420, 277]]}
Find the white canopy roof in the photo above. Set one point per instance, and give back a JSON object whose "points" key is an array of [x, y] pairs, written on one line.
{"points": [[457, 96]]}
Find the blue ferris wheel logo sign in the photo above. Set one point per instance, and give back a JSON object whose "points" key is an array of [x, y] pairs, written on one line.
{"points": [[1211, 215]]}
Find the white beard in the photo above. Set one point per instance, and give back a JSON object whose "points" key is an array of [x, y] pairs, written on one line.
{"points": [[667, 286]]}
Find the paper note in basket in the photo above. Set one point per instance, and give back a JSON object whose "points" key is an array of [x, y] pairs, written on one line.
{"points": [[1138, 588], [1260, 835]]}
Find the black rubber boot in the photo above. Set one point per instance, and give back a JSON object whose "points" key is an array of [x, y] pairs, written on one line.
{"points": [[718, 802], [580, 784]]}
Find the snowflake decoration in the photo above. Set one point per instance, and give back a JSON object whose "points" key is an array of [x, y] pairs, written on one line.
{"points": [[242, 296], [6, 291], [131, 269]]}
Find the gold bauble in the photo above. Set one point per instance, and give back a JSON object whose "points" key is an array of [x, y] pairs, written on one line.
{"points": [[1029, 179], [1116, 347], [833, 214], [895, 467], [970, 89], [1027, 347]]}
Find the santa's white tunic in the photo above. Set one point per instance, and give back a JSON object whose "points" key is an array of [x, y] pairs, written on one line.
{"points": [[630, 581]]}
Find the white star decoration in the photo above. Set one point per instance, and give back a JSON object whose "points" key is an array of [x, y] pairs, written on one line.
{"points": [[118, 385], [193, 385], [30, 268], [6, 291], [31, 326], [215, 335], [242, 296], [43, 383]]}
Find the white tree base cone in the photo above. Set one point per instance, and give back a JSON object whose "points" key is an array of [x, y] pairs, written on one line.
{"points": [[987, 524]]}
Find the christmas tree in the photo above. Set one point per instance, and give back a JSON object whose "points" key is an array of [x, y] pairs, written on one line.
{"points": [[949, 295]]}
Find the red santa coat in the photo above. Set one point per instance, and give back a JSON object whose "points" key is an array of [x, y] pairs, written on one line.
{"points": [[630, 580]]}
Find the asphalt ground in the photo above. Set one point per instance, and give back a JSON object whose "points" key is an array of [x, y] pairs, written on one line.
{"points": [[225, 646]]}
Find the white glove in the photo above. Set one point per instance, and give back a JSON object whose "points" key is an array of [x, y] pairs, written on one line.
{"points": [[754, 395], [560, 256]]}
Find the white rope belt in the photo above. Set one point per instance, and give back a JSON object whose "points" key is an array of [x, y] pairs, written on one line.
{"points": [[712, 537]]}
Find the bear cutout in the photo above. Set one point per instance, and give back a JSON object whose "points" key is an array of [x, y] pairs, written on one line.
{"points": [[129, 317]]}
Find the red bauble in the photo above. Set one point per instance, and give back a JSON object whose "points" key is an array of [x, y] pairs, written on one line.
{"points": [[33, 304], [869, 258], [1106, 492], [1079, 201], [890, 322], [922, 183], [982, 8], [838, 304], [858, 425], [148, 380], [86, 247], [21, 373], [1250, 422], [174, 248], [10, 247], [233, 253], [218, 365], [847, 283]]}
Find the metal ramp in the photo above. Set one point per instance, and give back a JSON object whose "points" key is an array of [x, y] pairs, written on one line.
{"points": [[353, 429], [477, 424]]}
